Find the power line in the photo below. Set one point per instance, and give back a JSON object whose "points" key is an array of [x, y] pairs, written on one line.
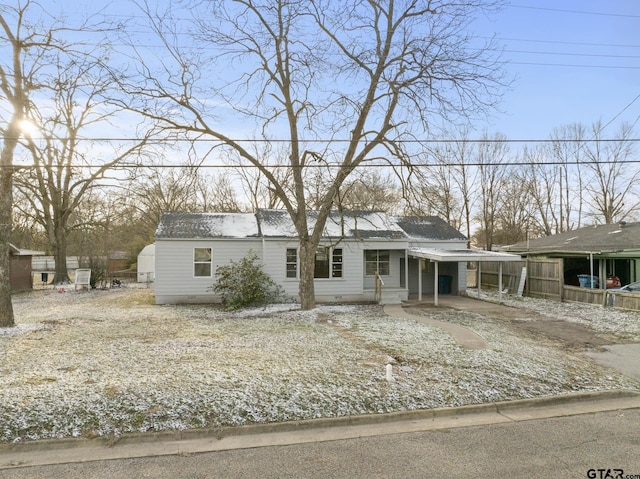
{"points": [[581, 12], [558, 42], [327, 141], [619, 67], [338, 165], [597, 55]]}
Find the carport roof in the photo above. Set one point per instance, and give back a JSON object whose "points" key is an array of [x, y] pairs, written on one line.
{"points": [[454, 255]]}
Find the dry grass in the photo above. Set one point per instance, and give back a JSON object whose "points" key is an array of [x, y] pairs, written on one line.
{"points": [[103, 363]]}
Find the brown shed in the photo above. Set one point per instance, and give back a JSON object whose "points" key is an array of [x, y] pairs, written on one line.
{"points": [[20, 273]]}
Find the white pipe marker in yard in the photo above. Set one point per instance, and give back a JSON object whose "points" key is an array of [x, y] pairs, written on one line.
{"points": [[389, 372]]}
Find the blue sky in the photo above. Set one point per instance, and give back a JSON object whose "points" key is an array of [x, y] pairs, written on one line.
{"points": [[574, 61]]}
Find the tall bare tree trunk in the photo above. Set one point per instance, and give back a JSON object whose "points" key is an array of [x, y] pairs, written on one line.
{"points": [[60, 255], [307, 267], [6, 225]]}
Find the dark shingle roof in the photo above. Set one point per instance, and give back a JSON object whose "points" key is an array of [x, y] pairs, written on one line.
{"points": [[598, 238], [429, 227], [346, 224], [207, 225], [269, 223]]}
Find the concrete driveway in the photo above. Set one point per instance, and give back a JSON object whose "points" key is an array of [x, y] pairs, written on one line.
{"points": [[624, 358]]}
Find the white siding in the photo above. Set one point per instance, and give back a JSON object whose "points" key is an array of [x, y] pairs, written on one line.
{"points": [[347, 288], [174, 279]]}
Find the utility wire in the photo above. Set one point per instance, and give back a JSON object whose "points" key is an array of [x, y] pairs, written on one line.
{"points": [[581, 12], [326, 141], [339, 165]]}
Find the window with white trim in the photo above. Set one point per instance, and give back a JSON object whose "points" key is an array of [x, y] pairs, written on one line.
{"points": [[328, 263], [202, 262], [292, 263], [336, 263], [376, 260]]}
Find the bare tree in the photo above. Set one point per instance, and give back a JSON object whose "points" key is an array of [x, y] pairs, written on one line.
{"points": [[491, 155], [152, 191], [612, 189], [22, 45], [217, 193], [434, 188], [65, 166], [369, 190], [515, 214], [567, 150], [343, 83], [541, 178]]}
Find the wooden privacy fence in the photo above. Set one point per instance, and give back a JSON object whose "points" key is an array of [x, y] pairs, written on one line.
{"points": [[545, 279]]}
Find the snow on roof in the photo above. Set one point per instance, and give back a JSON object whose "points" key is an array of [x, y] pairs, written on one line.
{"points": [[271, 223], [428, 227], [597, 238], [207, 225], [24, 252], [352, 224]]}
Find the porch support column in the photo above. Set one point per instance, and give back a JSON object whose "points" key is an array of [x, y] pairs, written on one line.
{"points": [[500, 281], [591, 270], [479, 277], [435, 286], [420, 260], [406, 271]]}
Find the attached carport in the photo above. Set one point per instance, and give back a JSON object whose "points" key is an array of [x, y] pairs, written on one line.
{"points": [[436, 256]]}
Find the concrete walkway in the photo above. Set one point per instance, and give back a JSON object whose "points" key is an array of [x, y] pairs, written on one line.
{"points": [[464, 336], [485, 308]]}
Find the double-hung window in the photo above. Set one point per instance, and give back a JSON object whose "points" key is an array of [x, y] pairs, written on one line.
{"points": [[336, 263], [292, 263], [202, 262], [328, 262], [377, 260]]}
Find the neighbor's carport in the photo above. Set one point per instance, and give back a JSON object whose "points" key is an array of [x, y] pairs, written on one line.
{"points": [[455, 256]]}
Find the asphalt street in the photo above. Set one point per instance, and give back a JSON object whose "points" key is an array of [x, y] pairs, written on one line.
{"points": [[584, 445]]}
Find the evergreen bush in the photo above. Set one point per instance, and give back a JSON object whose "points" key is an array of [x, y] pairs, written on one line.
{"points": [[243, 283]]}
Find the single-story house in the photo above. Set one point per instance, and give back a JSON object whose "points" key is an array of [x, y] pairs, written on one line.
{"points": [[20, 271], [610, 253], [411, 255]]}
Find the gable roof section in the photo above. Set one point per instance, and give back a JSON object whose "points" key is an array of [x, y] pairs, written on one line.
{"points": [[15, 251], [352, 224], [207, 225], [597, 239], [270, 223], [428, 228]]}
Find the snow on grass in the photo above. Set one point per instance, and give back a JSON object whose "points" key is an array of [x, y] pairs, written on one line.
{"points": [[104, 363], [622, 324]]}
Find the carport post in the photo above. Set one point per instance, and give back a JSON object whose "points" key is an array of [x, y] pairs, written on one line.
{"points": [[500, 281], [435, 286], [420, 260]]}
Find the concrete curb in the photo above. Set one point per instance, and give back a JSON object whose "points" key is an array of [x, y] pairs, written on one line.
{"points": [[505, 411]]}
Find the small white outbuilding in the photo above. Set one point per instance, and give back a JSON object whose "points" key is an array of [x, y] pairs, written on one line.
{"points": [[147, 264]]}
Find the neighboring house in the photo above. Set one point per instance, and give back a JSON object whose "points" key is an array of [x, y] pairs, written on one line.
{"points": [[20, 272], [605, 251], [406, 252], [146, 264]]}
